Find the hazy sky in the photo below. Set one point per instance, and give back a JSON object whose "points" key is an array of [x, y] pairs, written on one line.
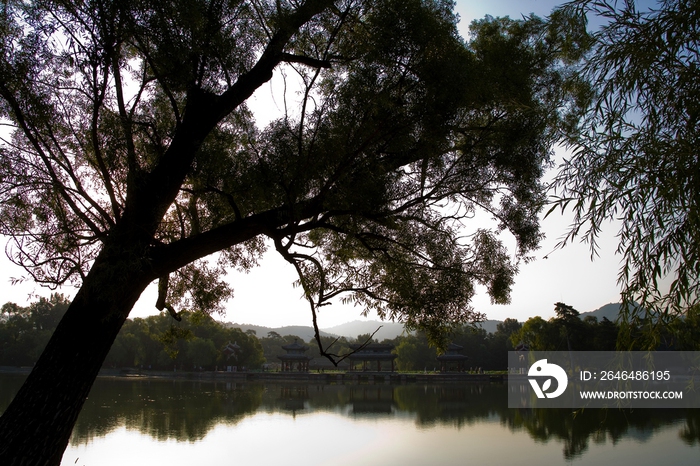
{"points": [[266, 296]]}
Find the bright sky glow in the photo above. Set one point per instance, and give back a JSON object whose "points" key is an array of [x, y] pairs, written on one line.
{"points": [[266, 296]]}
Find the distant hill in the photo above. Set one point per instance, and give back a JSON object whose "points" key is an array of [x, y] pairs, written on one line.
{"points": [[609, 311], [349, 330], [388, 330], [490, 325], [304, 333]]}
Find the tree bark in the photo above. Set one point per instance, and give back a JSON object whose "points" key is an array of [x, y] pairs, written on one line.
{"points": [[36, 427]]}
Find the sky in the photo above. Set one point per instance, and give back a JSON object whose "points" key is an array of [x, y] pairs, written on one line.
{"points": [[265, 296]]}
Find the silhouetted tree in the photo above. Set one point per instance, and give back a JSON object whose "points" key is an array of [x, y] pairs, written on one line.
{"points": [[134, 156]]}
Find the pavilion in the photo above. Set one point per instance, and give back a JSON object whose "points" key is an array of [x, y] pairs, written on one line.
{"points": [[453, 359], [374, 352], [295, 359], [231, 351]]}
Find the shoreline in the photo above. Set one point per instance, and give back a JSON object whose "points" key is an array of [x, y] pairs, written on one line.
{"points": [[352, 377]]}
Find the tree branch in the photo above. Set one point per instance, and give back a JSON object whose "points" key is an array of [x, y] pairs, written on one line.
{"points": [[308, 61], [172, 256], [292, 258]]}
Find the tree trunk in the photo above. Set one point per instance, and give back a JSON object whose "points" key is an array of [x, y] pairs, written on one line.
{"points": [[36, 427]]}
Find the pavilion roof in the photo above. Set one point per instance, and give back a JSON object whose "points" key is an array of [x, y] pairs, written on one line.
{"points": [[296, 346], [231, 348]]}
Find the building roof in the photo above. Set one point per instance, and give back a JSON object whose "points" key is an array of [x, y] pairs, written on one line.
{"points": [[231, 348], [296, 347], [453, 353]]}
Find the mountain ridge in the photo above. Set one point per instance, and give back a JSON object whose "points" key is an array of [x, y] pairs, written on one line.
{"points": [[388, 330]]}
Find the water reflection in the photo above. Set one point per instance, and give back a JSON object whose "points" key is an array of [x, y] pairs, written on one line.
{"points": [[186, 411], [164, 409]]}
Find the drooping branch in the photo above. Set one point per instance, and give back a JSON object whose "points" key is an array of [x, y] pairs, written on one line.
{"points": [[161, 302], [294, 259]]}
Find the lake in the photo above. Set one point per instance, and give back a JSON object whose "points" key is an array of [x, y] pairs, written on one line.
{"points": [[178, 422]]}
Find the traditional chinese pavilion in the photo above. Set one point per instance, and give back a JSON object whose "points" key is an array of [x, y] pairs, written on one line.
{"points": [[231, 352], [370, 354], [453, 359], [295, 359]]}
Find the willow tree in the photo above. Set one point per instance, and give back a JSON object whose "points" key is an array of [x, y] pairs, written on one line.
{"points": [[134, 159], [635, 151]]}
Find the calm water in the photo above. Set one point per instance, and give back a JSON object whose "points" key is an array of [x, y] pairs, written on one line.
{"points": [[146, 422]]}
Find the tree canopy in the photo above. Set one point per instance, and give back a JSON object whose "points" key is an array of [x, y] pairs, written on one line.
{"points": [[401, 131], [134, 157], [635, 157]]}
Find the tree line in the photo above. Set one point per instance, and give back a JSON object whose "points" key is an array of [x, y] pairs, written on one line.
{"points": [[156, 342], [567, 331], [198, 341]]}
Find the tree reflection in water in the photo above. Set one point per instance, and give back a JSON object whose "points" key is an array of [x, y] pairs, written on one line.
{"points": [[186, 410], [164, 409]]}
